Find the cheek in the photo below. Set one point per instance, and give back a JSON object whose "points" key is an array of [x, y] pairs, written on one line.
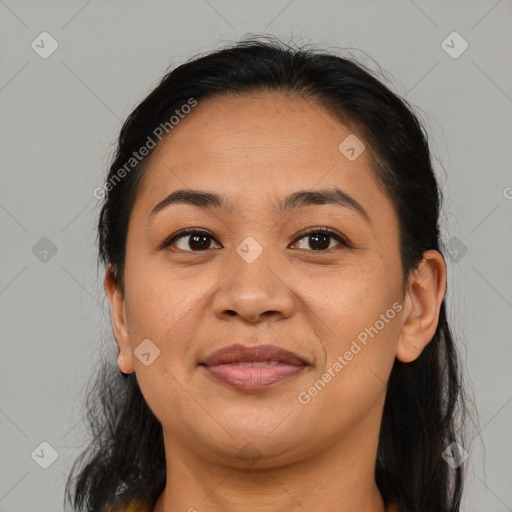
{"points": [[357, 321], [351, 299], [359, 348], [159, 303]]}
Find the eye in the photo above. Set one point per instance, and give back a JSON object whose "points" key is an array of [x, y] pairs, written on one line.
{"points": [[319, 239], [198, 240]]}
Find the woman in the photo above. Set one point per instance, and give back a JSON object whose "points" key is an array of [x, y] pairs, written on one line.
{"points": [[276, 283]]}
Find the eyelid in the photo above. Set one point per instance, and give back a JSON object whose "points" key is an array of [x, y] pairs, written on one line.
{"points": [[327, 231], [185, 232], [314, 229]]}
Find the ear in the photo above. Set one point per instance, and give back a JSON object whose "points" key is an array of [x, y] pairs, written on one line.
{"points": [[118, 314], [423, 299]]}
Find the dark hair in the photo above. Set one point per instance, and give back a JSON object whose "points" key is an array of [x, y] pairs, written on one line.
{"points": [[425, 409]]}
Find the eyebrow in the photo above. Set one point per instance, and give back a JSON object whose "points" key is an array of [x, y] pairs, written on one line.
{"points": [[296, 200]]}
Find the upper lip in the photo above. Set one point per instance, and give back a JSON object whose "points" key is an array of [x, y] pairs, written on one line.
{"points": [[244, 354]]}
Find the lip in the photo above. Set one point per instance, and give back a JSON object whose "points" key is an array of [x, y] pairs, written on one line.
{"points": [[224, 366], [243, 354]]}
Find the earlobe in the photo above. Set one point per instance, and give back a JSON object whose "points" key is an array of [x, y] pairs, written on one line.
{"points": [[424, 297], [119, 325]]}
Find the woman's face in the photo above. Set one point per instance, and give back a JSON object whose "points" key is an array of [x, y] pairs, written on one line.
{"points": [[261, 280]]}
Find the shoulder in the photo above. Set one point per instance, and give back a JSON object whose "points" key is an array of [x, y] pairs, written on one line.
{"points": [[133, 506]]}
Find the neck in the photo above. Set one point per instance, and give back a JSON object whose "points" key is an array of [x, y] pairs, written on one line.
{"points": [[339, 478]]}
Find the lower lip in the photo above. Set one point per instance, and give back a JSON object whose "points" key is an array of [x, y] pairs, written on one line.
{"points": [[253, 377]]}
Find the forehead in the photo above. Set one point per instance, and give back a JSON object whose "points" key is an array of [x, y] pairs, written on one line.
{"points": [[272, 125], [258, 147]]}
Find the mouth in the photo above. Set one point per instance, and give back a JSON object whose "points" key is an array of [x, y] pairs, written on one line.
{"points": [[253, 368]]}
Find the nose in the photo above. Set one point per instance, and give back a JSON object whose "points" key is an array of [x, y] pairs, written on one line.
{"points": [[254, 291]]}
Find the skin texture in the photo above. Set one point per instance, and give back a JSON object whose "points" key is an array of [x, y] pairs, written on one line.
{"points": [[318, 456]]}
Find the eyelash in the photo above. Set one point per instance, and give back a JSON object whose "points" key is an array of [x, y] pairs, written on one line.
{"points": [[323, 230]]}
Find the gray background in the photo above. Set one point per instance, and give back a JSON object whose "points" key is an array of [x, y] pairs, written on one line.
{"points": [[61, 115]]}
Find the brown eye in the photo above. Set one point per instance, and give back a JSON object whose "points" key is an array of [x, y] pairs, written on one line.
{"points": [[314, 239], [320, 239], [197, 241]]}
